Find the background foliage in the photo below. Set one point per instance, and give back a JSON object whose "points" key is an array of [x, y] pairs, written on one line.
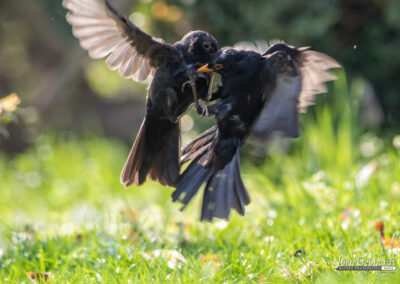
{"points": [[62, 89]]}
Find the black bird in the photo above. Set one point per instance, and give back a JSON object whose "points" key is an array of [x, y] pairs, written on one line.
{"points": [[260, 94], [105, 32]]}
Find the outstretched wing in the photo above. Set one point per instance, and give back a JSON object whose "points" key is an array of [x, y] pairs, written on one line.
{"points": [[300, 75], [259, 46], [104, 32], [316, 69]]}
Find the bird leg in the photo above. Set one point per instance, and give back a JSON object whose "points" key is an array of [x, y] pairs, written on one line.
{"points": [[200, 107], [214, 109]]}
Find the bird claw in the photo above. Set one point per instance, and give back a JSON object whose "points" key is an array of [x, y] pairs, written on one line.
{"points": [[202, 109], [188, 82], [192, 79]]}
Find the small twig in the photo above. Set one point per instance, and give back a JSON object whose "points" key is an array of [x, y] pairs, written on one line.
{"points": [[210, 86]]}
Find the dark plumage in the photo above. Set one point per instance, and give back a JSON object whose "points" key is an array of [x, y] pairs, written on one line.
{"points": [[137, 55], [260, 94]]}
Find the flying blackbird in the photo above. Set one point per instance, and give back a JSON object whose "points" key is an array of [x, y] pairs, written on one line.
{"points": [[105, 32], [260, 94]]}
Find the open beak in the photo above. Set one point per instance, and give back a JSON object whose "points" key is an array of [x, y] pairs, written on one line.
{"points": [[205, 68]]}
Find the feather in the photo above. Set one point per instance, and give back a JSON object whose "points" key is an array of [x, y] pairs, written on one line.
{"points": [[191, 180], [198, 145], [104, 49], [83, 21], [143, 71], [298, 79], [135, 158], [165, 166], [280, 112], [224, 191], [90, 31], [315, 67], [242, 198], [127, 63], [114, 61], [258, 46], [104, 32]]}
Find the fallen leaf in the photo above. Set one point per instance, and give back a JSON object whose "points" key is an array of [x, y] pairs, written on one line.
{"points": [[40, 276], [390, 242], [262, 278], [380, 228], [386, 241], [208, 258]]}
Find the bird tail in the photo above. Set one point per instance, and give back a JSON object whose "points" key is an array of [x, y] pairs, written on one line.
{"points": [[224, 189], [158, 158], [192, 178], [199, 145]]}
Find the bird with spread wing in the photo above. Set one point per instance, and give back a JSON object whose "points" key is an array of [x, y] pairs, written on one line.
{"points": [[260, 94], [104, 32]]}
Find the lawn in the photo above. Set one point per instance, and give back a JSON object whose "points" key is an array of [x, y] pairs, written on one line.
{"points": [[64, 215]]}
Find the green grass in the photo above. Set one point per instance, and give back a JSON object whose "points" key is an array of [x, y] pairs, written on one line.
{"points": [[63, 211]]}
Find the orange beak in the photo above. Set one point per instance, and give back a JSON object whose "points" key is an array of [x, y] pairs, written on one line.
{"points": [[205, 68]]}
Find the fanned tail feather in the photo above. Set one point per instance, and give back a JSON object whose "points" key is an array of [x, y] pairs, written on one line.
{"points": [[159, 163], [166, 166], [199, 145], [137, 159], [225, 190], [191, 180]]}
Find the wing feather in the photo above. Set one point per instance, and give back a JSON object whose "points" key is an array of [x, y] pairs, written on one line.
{"points": [[127, 63], [316, 68], [299, 78], [259, 46], [105, 33], [114, 61], [280, 111]]}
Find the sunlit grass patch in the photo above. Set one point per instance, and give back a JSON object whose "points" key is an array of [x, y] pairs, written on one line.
{"points": [[63, 212]]}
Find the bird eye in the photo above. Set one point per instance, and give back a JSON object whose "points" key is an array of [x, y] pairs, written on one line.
{"points": [[218, 66], [206, 46]]}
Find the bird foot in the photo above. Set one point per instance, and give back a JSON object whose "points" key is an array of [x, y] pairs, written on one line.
{"points": [[202, 109]]}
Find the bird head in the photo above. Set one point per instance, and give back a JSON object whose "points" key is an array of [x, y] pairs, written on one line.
{"points": [[198, 47], [231, 62]]}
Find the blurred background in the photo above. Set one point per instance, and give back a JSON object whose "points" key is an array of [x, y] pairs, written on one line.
{"points": [[68, 138], [63, 90]]}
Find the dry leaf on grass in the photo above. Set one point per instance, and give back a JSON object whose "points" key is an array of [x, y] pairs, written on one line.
{"points": [[208, 258], [34, 276], [386, 241]]}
